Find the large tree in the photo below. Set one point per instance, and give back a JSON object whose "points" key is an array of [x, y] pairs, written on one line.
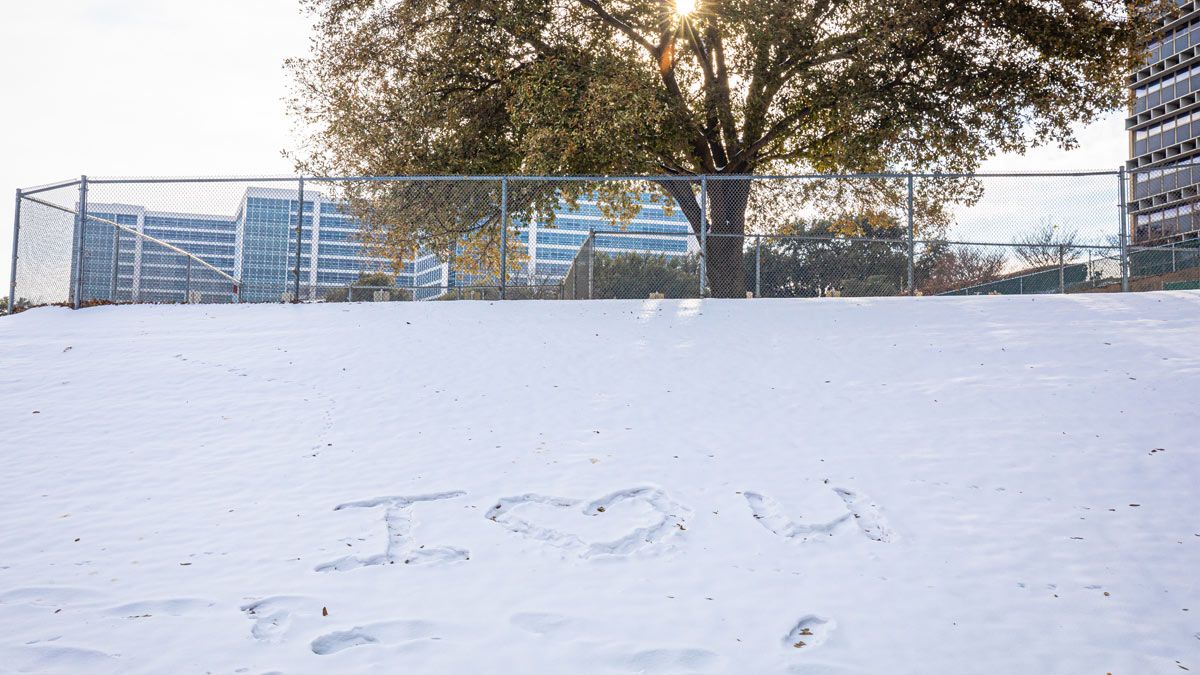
{"points": [[684, 88]]}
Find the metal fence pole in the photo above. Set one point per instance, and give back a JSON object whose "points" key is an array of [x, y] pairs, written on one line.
{"points": [[187, 284], [451, 282], [591, 258], [703, 232], [299, 240], [116, 261], [758, 266], [1062, 285], [911, 241], [1173, 269], [12, 279], [1124, 231], [82, 220], [503, 235]]}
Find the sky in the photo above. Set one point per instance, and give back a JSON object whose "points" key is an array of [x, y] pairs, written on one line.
{"points": [[153, 88]]}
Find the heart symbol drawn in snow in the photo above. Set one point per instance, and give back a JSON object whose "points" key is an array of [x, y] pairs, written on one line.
{"points": [[615, 524]]}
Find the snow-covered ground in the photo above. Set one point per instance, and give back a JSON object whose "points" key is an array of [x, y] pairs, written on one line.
{"points": [[931, 485]]}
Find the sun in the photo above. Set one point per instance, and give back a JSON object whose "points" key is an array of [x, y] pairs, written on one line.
{"points": [[685, 7]]}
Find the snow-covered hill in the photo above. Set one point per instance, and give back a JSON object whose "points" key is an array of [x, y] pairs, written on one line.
{"points": [[931, 485]]}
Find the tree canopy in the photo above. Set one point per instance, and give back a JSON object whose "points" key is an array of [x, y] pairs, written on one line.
{"points": [[640, 87]]}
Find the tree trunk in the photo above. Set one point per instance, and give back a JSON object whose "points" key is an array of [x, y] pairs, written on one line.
{"points": [[727, 208], [727, 201]]}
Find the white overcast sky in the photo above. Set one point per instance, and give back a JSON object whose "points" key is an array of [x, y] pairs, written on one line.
{"points": [[165, 87]]}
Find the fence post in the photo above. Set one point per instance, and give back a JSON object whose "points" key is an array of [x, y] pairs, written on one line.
{"points": [[911, 243], [503, 235], [591, 258], [1173, 257], [703, 232], [1062, 286], [299, 240], [187, 284], [82, 220], [1124, 231], [758, 266], [12, 279], [116, 260]]}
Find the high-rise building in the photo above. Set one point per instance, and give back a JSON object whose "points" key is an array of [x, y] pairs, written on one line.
{"points": [[258, 246], [1164, 133], [123, 267]]}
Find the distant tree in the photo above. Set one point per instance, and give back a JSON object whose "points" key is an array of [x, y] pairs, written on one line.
{"points": [[1040, 247], [874, 286], [815, 261], [647, 87], [369, 282], [637, 275], [943, 267]]}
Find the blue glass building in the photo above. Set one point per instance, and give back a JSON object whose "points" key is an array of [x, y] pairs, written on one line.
{"points": [[552, 246], [258, 243], [123, 267]]}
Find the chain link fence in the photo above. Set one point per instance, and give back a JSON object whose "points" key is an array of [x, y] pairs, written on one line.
{"points": [[367, 239]]}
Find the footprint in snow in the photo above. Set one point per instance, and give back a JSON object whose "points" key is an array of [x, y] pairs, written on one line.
{"points": [[809, 632], [168, 607], [619, 523], [384, 633], [273, 616]]}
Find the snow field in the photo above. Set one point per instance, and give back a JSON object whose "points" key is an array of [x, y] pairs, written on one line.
{"points": [[987, 484]]}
